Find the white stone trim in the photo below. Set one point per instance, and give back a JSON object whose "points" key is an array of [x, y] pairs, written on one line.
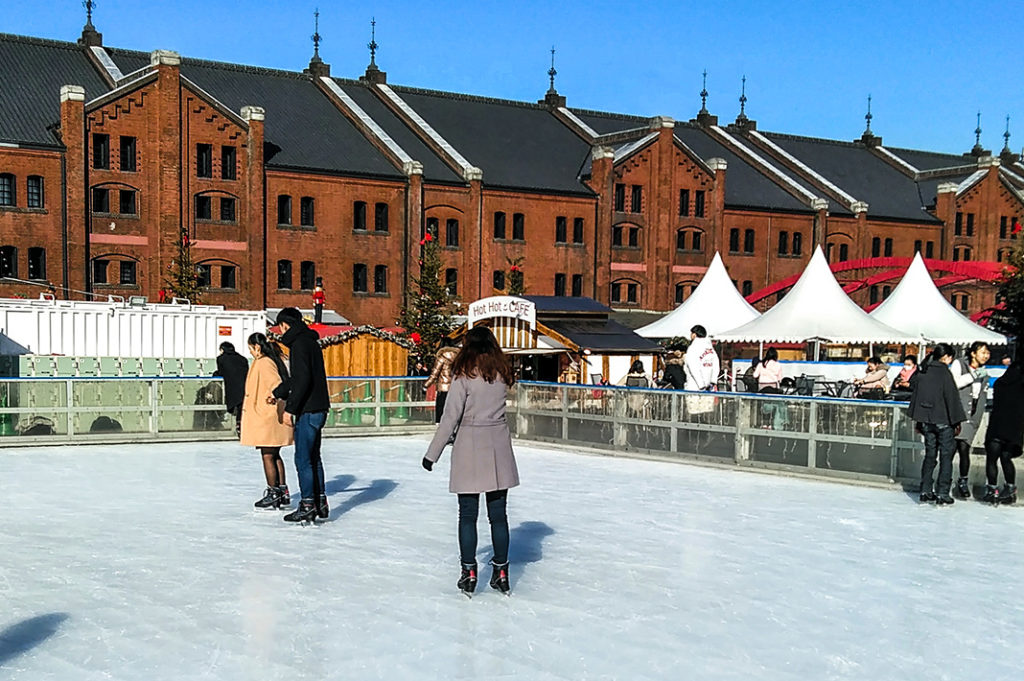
{"points": [[72, 93], [988, 162], [971, 181], [897, 160], [1010, 173], [859, 207], [253, 113], [599, 153], [850, 200], [354, 109], [127, 86], [717, 164], [412, 168], [578, 122], [134, 75], [425, 128], [625, 152], [765, 165], [219, 105], [662, 122], [106, 62], [819, 204], [165, 57], [946, 187]]}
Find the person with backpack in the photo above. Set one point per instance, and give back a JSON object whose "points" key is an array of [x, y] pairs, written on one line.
{"points": [[936, 407], [263, 424]]}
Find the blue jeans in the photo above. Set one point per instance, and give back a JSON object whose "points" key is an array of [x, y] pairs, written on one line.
{"points": [[938, 443], [308, 464], [469, 508]]}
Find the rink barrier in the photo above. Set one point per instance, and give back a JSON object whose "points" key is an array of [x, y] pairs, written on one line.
{"points": [[97, 409]]}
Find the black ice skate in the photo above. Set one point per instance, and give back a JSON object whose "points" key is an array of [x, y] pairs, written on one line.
{"points": [[270, 499], [1008, 495], [991, 494], [467, 581], [944, 500], [963, 488], [927, 497], [499, 577], [322, 509], [285, 497], [305, 513]]}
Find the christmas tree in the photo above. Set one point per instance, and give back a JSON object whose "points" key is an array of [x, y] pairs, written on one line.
{"points": [[516, 284], [182, 280], [427, 317], [1008, 316]]}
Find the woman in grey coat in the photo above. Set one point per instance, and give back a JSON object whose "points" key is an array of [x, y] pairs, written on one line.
{"points": [[971, 381], [482, 458]]}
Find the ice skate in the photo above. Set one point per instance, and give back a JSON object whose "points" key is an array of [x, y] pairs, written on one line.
{"points": [[963, 488], [467, 581], [1008, 495], [991, 494], [285, 498], [305, 513], [927, 497], [499, 577], [944, 500], [271, 499], [322, 509]]}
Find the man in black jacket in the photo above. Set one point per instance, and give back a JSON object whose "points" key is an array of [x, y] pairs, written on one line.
{"points": [[307, 402], [936, 407], [233, 368]]}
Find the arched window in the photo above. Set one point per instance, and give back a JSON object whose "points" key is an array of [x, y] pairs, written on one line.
{"points": [[876, 247], [307, 275], [960, 300], [380, 279], [35, 191], [8, 190], [451, 281], [380, 217], [359, 278], [499, 224], [307, 212], [626, 235], [690, 239], [498, 280], [8, 261], [748, 241], [684, 289], [961, 253], [626, 291], [218, 274], [37, 263], [284, 274], [284, 209], [359, 216]]}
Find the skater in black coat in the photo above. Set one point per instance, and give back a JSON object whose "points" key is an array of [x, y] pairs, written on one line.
{"points": [[233, 368], [1005, 435], [936, 407]]}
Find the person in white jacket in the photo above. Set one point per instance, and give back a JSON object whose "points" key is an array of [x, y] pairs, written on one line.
{"points": [[701, 363]]}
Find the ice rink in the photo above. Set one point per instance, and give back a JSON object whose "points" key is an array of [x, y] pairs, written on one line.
{"points": [[148, 562]]}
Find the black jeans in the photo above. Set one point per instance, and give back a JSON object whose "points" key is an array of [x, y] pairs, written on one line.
{"points": [[439, 399], [938, 442], [469, 509], [998, 451]]}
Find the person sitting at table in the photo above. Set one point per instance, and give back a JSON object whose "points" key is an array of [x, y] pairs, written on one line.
{"points": [[875, 382], [769, 373], [901, 387]]}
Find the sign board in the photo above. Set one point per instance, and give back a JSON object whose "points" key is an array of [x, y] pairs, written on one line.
{"points": [[223, 330], [503, 306]]}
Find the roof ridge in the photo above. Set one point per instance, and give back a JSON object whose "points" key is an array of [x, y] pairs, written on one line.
{"points": [[227, 66], [595, 112], [808, 138], [926, 151], [459, 96], [48, 42]]}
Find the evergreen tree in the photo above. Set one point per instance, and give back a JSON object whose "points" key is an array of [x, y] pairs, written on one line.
{"points": [[1008, 317], [516, 284], [427, 318], [182, 279]]}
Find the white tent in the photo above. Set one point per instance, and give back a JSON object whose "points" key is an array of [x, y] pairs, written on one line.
{"points": [[816, 308], [916, 305], [715, 304]]}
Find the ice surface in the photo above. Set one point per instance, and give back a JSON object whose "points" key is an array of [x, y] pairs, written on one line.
{"points": [[148, 562]]}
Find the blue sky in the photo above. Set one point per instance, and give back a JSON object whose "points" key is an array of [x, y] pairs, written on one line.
{"points": [[929, 66]]}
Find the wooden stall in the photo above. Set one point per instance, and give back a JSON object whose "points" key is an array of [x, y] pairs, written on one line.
{"points": [[362, 350]]}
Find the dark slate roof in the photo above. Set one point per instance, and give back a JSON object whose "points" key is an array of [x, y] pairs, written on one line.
{"points": [[517, 145], [604, 335], [604, 123], [32, 72], [301, 121], [928, 189], [853, 168], [434, 168], [567, 305], [929, 160]]}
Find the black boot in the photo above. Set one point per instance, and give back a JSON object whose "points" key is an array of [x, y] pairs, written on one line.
{"points": [[306, 512], [963, 488], [285, 497], [467, 581], [499, 577], [944, 500], [991, 494], [1008, 494], [270, 499], [322, 509], [927, 497]]}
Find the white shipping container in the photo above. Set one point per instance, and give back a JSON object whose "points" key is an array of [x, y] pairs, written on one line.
{"points": [[118, 329]]}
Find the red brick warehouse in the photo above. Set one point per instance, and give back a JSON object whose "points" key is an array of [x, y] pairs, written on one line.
{"points": [[278, 177]]}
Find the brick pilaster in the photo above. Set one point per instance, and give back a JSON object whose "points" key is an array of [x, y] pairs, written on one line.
{"points": [[75, 261], [259, 272]]}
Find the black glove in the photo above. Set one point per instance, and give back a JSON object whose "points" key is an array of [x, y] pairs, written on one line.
{"points": [[428, 464]]}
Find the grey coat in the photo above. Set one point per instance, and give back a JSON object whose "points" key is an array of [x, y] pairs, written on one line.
{"points": [[973, 408], [482, 458]]}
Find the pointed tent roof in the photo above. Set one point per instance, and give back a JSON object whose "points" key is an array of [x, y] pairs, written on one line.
{"points": [[817, 308], [715, 304], [918, 306]]}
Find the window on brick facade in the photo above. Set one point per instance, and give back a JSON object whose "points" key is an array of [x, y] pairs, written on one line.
{"points": [[498, 280], [561, 230], [8, 261], [577, 285], [227, 276], [127, 204], [844, 252], [432, 228], [228, 163], [616, 292], [8, 190], [829, 247], [284, 274], [634, 237], [100, 200], [204, 276], [518, 227], [734, 240], [99, 271], [632, 293], [227, 209], [696, 241], [680, 293], [204, 208], [961, 253], [499, 225], [128, 272], [620, 197], [35, 191], [917, 246], [380, 217], [380, 279], [37, 263], [874, 295], [284, 209], [783, 243], [1003, 230], [958, 224], [359, 216], [888, 248], [625, 292], [307, 275], [617, 235], [684, 202], [1003, 255], [127, 160], [451, 233], [961, 301], [798, 244], [307, 211], [204, 160], [886, 290], [929, 249], [451, 281], [577, 230], [970, 224], [876, 247], [680, 240], [698, 204], [100, 151], [359, 278], [636, 199], [559, 283], [747, 288], [748, 241]]}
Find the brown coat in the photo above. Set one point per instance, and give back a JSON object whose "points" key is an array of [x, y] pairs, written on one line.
{"points": [[442, 372], [263, 424], [482, 458]]}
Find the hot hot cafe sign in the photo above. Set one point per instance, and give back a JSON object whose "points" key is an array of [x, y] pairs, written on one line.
{"points": [[503, 306]]}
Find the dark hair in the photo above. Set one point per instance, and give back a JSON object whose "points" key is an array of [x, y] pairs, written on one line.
{"points": [[911, 358], [875, 359], [700, 331], [637, 367], [938, 352], [268, 349], [975, 346], [227, 347], [481, 355], [771, 354], [289, 316]]}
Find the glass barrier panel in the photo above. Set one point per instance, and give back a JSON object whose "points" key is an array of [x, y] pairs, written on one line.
{"points": [[788, 451], [35, 424], [592, 432], [542, 398], [197, 419], [713, 409], [34, 394], [780, 414], [855, 419], [406, 416], [643, 436], [854, 457], [591, 401], [721, 445], [112, 420]]}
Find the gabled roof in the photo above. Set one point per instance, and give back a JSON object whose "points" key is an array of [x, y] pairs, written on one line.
{"points": [[567, 305], [602, 335], [32, 72], [930, 160]]}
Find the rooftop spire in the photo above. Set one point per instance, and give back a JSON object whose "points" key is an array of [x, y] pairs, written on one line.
{"points": [[1006, 136], [373, 74], [552, 73], [743, 101], [90, 36], [868, 117], [704, 94], [552, 100], [869, 138], [317, 66], [316, 35], [978, 150]]}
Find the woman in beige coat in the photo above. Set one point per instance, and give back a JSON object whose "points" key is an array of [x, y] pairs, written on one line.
{"points": [[482, 458], [263, 423], [441, 376]]}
